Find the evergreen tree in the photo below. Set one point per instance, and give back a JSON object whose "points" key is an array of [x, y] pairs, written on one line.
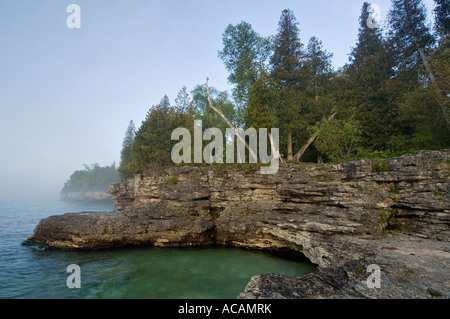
{"points": [[289, 75], [420, 122], [93, 178], [287, 55], [442, 17], [153, 141], [367, 95], [126, 156], [319, 64], [263, 97], [165, 103], [183, 101], [411, 39], [370, 41]]}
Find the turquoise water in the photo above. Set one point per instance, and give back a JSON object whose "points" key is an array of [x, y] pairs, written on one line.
{"points": [[150, 273]]}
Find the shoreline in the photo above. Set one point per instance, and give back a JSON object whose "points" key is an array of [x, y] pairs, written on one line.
{"points": [[343, 218]]}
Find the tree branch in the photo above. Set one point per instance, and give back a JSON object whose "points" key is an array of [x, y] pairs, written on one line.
{"points": [[211, 105]]}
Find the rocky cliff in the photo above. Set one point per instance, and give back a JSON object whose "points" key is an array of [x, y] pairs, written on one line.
{"points": [[393, 213]]}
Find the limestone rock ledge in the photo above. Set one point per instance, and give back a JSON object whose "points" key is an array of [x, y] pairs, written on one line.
{"points": [[394, 213]]}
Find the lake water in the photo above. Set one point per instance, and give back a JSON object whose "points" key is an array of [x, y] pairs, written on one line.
{"points": [[138, 273]]}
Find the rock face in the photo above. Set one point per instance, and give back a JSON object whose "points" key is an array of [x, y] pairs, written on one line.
{"points": [[393, 213]]}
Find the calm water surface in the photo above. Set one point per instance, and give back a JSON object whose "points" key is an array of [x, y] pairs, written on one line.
{"points": [[151, 273]]}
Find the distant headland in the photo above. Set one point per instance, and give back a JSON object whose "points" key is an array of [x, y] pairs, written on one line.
{"points": [[90, 184]]}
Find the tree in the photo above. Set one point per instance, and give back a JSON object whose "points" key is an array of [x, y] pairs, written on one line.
{"points": [[183, 101], [319, 63], [368, 95], [263, 98], [338, 139], [442, 17], [153, 141], [410, 37], [165, 103], [93, 178], [126, 156], [370, 41], [289, 75], [421, 123], [220, 99], [245, 54]]}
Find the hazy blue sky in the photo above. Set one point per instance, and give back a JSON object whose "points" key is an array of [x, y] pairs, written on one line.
{"points": [[67, 95]]}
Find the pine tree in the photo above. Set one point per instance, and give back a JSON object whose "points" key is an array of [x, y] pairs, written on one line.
{"points": [[153, 141], [289, 75], [410, 37], [319, 63], [287, 53], [442, 17], [126, 156], [263, 97], [183, 101], [366, 96], [369, 43], [165, 103]]}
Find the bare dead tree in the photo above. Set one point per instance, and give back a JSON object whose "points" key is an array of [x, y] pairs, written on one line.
{"points": [[275, 152], [308, 143]]}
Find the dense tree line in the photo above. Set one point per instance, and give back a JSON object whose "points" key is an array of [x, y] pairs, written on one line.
{"points": [[391, 97], [93, 178]]}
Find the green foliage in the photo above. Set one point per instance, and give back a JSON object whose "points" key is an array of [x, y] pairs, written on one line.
{"points": [[442, 17], [92, 178], [409, 32], [393, 190], [435, 293], [318, 62], [359, 271], [379, 166], [153, 143], [439, 194], [173, 180], [338, 139], [263, 98], [245, 54], [420, 122], [392, 97], [126, 156], [221, 100]]}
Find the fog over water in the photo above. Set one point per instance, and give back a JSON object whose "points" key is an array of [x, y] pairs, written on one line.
{"points": [[67, 95]]}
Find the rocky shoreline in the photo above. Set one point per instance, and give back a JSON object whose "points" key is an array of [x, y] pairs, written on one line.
{"points": [[393, 213]]}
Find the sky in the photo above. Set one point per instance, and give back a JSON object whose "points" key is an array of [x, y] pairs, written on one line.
{"points": [[67, 95]]}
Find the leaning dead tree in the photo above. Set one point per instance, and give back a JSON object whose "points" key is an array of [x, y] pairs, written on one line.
{"points": [[275, 152], [308, 143]]}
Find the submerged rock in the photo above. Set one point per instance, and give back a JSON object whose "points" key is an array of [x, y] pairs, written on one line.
{"points": [[393, 213]]}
